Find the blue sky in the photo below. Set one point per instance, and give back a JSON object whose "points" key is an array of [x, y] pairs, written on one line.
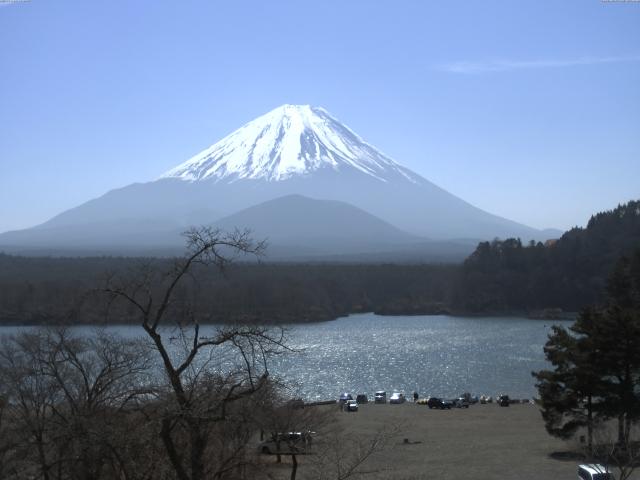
{"points": [[530, 110]]}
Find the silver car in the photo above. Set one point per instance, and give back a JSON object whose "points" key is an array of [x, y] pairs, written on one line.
{"points": [[594, 471], [380, 397]]}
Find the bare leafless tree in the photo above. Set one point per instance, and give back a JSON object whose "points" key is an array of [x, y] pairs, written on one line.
{"points": [[65, 401], [31, 398], [290, 425], [98, 378], [5, 446], [341, 455], [206, 374], [614, 455]]}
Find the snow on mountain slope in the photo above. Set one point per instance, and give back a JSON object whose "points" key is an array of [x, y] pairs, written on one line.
{"points": [[292, 150], [290, 140]]}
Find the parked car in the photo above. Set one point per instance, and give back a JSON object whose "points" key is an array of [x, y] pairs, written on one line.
{"points": [[286, 442], [296, 403], [397, 397], [351, 406], [362, 398], [435, 402], [380, 397], [470, 398], [344, 397], [461, 402], [503, 400], [594, 471]]}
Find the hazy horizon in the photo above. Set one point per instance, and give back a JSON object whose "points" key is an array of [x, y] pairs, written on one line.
{"points": [[541, 129]]}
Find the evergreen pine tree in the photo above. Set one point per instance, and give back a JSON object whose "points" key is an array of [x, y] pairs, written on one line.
{"points": [[596, 362], [569, 391]]}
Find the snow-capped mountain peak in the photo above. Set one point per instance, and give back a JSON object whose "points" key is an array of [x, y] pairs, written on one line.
{"points": [[291, 140]]}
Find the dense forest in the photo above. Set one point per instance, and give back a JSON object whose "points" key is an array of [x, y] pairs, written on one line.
{"points": [[500, 277], [569, 273]]}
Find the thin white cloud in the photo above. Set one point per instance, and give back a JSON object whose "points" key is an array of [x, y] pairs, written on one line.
{"points": [[490, 66], [4, 3], [7, 3]]}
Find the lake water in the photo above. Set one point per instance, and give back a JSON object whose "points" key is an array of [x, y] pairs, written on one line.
{"points": [[434, 355]]}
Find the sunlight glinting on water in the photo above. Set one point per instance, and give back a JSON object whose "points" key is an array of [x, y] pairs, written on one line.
{"points": [[433, 355]]}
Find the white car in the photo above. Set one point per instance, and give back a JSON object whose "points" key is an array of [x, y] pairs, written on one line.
{"points": [[351, 406], [594, 471], [397, 397]]}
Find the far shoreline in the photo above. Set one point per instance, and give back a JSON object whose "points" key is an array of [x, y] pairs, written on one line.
{"points": [[559, 316]]}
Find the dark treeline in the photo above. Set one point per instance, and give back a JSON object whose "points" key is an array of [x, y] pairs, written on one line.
{"points": [[500, 277], [569, 273], [61, 290]]}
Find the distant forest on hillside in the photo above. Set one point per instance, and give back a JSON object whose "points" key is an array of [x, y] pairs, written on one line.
{"points": [[500, 277]]}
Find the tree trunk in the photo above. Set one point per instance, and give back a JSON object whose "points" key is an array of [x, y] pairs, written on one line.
{"points": [[621, 429], [589, 426], [174, 457], [627, 429], [43, 461], [294, 467], [198, 445]]}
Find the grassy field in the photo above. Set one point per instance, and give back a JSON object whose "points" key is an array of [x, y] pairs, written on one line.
{"points": [[484, 442]]}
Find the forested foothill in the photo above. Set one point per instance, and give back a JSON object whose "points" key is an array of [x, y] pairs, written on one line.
{"points": [[568, 274], [500, 277]]}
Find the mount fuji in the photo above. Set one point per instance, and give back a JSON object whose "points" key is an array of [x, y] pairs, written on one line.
{"points": [[291, 151], [290, 141]]}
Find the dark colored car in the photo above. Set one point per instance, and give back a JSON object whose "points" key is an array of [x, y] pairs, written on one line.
{"points": [[362, 398], [296, 403], [447, 404], [503, 400], [471, 399], [344, 397], [435, 402]]}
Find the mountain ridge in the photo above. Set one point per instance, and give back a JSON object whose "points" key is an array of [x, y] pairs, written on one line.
{"points": [[321, 226], [290, 150]]}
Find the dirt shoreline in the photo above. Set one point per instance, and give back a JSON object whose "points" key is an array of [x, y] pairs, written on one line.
{"points": [[485, 442]]}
